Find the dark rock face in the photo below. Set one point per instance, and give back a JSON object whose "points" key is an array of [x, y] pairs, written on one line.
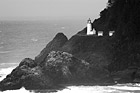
{"points": [[58, 68], [27, 74], [59, 40], [90, 48], [123, 17], [125, 76], [28, 62], [63, 67]]}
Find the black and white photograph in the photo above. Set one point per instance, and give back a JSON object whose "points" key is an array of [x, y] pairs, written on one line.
{"points": [[69, 46]]}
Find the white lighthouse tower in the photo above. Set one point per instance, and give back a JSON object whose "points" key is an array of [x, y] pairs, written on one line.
{"points": [[90, 31]]}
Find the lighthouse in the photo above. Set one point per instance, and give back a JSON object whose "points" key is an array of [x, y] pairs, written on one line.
{"points": [[90, 31]]}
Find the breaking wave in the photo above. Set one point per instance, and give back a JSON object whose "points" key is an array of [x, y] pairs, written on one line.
{"points": [[5, 71], [22, 90]]}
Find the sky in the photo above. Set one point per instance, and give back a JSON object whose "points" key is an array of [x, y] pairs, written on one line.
{"points": [[51, 9]]}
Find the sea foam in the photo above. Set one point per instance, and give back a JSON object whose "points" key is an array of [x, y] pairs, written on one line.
{"points": [[5, 71], [22, 90]]}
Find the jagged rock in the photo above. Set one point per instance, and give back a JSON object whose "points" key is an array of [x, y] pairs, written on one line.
{"points": [[59, 40], [58, 68], [28, 62], [56, 65], [35, 79], [25, 75], [90, 48], [66, 67]]}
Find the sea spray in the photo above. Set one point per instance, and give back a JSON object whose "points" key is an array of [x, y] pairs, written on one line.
{"points": [[5, 71], [119, 88], [22, 90]]}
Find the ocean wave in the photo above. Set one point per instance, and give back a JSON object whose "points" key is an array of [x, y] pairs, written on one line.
{"points": [[101, 89], [34, 39], [3, 52], [87, 89], [131, 87], [2, 64], [22, 90], [5, 71]]}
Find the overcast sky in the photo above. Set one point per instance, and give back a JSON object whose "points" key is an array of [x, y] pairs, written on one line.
{"points": [[51, 8]]}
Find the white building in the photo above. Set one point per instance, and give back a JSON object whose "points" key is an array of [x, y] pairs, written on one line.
{"points": [[111, 33], [100, 33], [90, 31]]}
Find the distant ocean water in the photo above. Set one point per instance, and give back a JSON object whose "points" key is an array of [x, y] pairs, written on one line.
{"points": [[21, 39]]}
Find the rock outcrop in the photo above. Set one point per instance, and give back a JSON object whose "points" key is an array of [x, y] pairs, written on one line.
{"points": [[27, 75], [59, 40], [57, 68]]}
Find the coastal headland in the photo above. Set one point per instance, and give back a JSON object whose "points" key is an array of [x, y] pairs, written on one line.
{"points": [[87, 59]]}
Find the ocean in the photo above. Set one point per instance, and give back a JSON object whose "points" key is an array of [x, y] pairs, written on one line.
{"points": [[20, 39], [25, 39]]}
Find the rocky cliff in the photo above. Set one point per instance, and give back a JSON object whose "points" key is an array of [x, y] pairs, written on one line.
{"points": [[86, 59], [123, 17]]}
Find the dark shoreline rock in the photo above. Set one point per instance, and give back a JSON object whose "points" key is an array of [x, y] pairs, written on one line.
{"points": [[58, 68], [25, 75]]}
